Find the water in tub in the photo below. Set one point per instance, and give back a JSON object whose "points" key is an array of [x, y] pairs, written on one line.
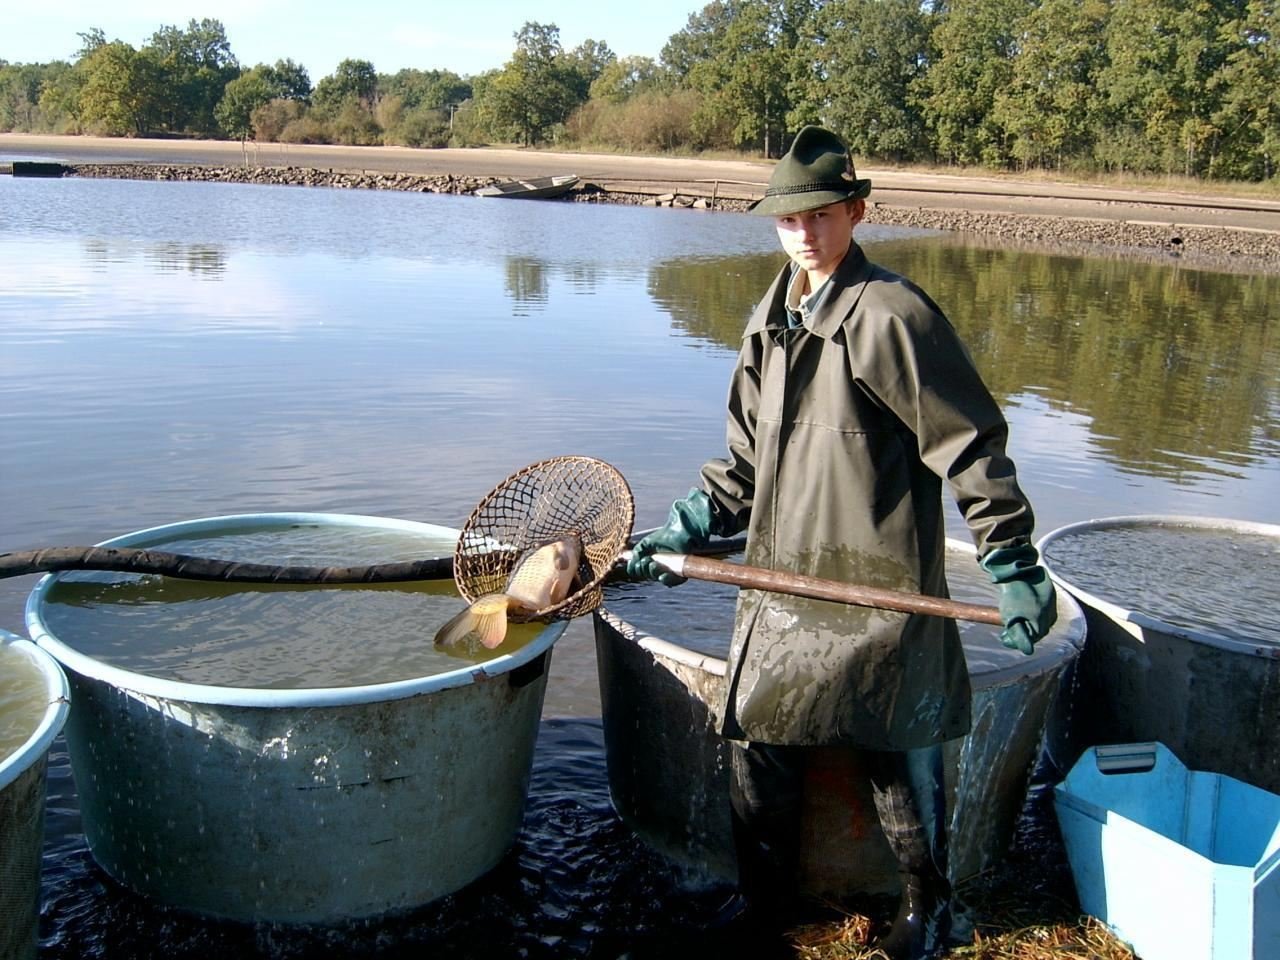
{"points": [[23, 698], [268, 636], [1225, 582]]}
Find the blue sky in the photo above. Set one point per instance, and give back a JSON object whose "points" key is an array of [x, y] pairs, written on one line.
{"points": [[427, 34]]}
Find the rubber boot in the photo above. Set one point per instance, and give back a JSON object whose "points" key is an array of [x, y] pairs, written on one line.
{"points": [[922, 928], [908, 788], [764, 796]]}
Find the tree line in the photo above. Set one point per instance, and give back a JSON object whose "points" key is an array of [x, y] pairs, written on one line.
{"points": [[1188, 87]]}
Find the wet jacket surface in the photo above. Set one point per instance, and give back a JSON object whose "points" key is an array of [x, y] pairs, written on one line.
{"points": [[839, 435]]}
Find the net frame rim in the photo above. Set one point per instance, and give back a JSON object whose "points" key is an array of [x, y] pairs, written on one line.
{"points": [[610, 475]]}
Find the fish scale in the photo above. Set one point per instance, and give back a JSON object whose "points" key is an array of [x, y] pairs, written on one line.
{"points": [[539, 581]]}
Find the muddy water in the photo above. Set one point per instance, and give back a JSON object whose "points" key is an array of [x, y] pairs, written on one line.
{"points": [[266, 636], [23, 699]]}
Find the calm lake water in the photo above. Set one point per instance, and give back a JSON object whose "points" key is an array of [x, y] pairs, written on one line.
{"points": [[171, 351]]}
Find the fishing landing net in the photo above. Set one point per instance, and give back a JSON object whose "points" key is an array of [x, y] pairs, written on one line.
{"points": [[560, 497]]}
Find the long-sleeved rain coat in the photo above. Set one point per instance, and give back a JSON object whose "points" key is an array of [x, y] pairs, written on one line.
{"points": [[839, 435]]}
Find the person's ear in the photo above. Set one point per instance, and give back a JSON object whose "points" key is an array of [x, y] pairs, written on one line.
{"points": [[857, 210]]}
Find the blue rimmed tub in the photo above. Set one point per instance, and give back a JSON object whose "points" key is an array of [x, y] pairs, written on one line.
{"points": [[1184, 636], [310, 805]]}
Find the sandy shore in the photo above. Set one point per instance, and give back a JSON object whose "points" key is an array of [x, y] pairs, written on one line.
{"points": [[1198, 229]]}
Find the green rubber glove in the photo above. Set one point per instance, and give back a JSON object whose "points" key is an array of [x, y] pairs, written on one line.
{"points": [[689, 525], [1028, 602]]}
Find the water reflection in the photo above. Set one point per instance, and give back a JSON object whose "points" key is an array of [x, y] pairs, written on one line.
{"points": [[711, 299], [205, 260], [1173, 370], [357, 353], [527, 284]]}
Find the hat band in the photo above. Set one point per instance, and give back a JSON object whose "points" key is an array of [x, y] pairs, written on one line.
{"points": [[839, 185]]}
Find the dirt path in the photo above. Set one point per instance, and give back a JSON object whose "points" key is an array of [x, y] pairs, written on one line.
{"points": [[1191, 225]]}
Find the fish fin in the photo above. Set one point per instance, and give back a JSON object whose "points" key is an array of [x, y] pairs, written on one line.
{"points": [[491, 623], [484, 620]]}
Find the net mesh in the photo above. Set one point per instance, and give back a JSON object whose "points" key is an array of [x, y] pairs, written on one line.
{"points": [[555, 498]]}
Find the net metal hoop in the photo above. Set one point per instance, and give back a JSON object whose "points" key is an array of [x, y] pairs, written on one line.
{"points": [[559, 497]]}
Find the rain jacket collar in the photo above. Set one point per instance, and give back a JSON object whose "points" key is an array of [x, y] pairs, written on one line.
{"points": [[854, 271]]}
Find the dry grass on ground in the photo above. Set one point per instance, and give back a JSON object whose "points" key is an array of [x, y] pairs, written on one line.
{"points": [[1025, 908]]}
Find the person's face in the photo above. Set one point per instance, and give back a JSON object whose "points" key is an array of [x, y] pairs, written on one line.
{"points": [[817, 240]]}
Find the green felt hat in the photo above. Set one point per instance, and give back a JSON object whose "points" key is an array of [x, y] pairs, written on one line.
{"points": [[815, 172]]}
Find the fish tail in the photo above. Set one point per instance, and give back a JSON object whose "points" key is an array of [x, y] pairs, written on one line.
{"points": [[485, 621]]}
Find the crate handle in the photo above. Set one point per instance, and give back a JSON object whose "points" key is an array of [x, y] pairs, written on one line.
{"points": [[1125, 758]]}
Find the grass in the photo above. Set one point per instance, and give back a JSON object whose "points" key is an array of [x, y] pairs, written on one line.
{"points": [[1008, 926]]}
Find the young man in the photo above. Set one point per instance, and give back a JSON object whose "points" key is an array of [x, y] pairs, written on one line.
{"points": [[852, 401]]}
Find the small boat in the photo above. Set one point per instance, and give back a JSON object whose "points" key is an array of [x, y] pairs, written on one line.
{"points": [[34, 168], [535, 188]]}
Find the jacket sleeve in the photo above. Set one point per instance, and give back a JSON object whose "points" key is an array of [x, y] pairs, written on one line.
{"points": [[922, 371], [731, 481]]}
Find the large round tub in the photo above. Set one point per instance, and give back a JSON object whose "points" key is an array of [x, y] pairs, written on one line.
{"points": [[307, 805], [33, 707], [1184, 637], [668, 773]]}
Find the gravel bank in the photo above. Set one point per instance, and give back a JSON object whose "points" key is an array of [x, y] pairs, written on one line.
{"points": [[1221, 248]]}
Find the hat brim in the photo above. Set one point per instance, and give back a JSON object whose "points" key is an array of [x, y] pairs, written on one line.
{"points": [[783, 204]]}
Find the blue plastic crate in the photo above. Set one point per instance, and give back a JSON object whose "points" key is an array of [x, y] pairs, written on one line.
{"points": [[1181, 864]]}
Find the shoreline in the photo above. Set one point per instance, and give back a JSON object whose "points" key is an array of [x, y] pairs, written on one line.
{"points": [[1223, 248], [1216, 233]]}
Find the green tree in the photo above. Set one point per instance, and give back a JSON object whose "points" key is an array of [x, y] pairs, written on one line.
{"points": [[535, 90], [122, 90], [242, 96], [20, 85], [585, 63], [625, 77], [1050, 108], [290, 80], [863, 57], [976, 42], [60, 98], [352, 80], [195, 65], [700, 39], [1248, 86], [742, 56], [436, 89], [1161, 105], [90, 40]]}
